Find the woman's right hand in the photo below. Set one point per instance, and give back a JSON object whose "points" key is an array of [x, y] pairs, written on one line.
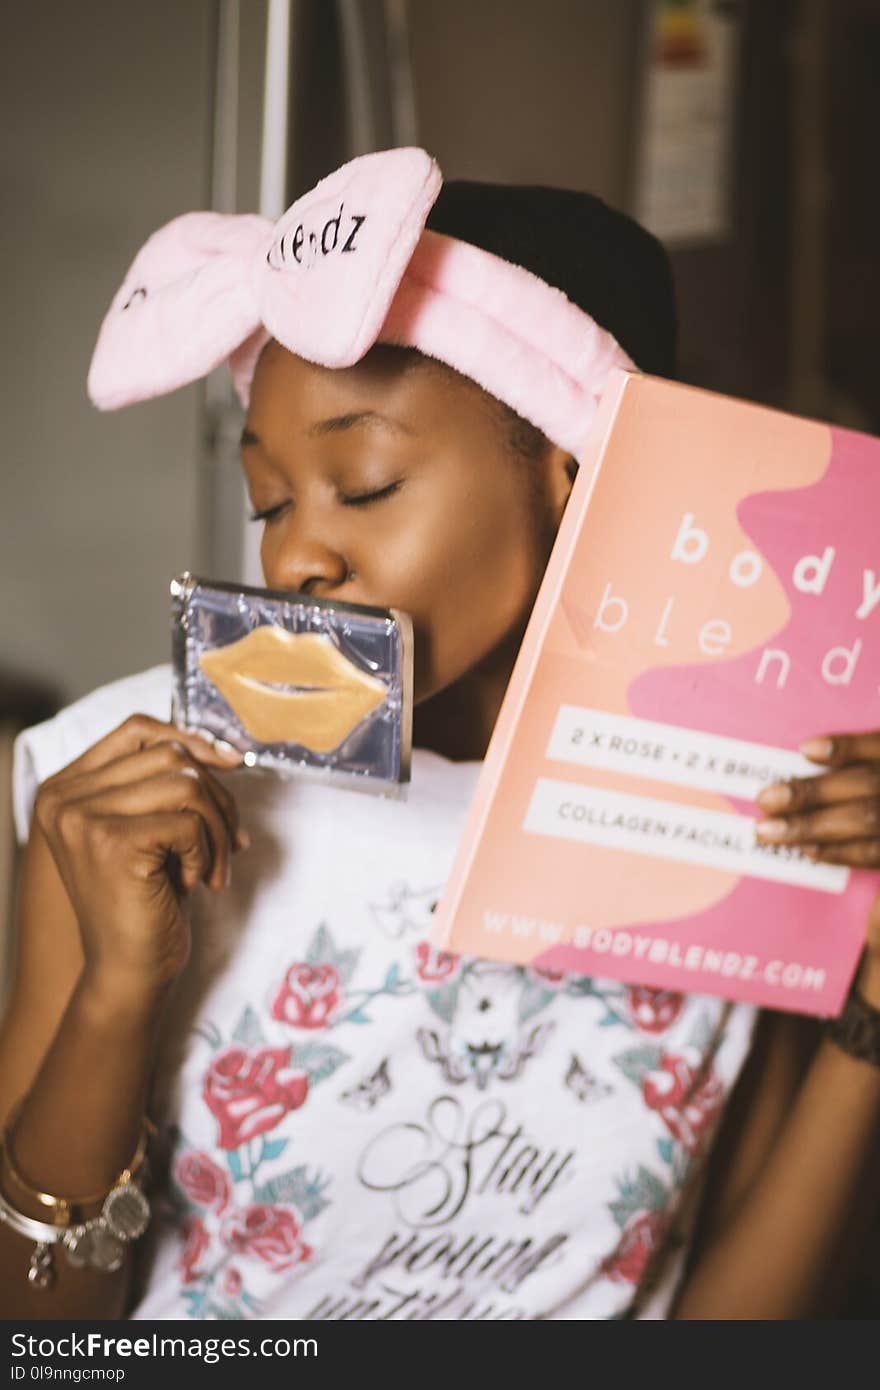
{"points": [[134, 824]]}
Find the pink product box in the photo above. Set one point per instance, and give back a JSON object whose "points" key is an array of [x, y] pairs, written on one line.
{"points": [[712, 600]]}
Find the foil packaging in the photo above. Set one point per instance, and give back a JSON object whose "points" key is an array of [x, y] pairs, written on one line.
{"points": [[299, 685]]}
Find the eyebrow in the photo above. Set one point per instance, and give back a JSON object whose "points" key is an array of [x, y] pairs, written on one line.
{"points": [[336, 424]]}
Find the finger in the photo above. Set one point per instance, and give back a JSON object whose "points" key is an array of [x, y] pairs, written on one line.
{"points": [[148, 763], [846, 820], [181, 834], [838, 749], [802, 793], [142, 731], [169, 793], [855, 854]]}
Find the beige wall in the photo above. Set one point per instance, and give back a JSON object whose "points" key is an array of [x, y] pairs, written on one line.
{"points": [[513, 91], [106, 118]]}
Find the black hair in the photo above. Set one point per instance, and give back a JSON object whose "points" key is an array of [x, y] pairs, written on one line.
{"points": [[602, 260]]}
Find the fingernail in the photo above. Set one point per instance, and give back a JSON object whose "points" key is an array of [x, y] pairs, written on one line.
{"points": [[243, 839], [227, 751], [772, 829], [776, 798], [818, 750]]}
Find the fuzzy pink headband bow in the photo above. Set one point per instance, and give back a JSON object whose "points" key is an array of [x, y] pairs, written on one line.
{"points": [[348, 265]]}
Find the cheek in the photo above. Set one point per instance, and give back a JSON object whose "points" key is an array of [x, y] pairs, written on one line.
{"points": [[468, 577]]}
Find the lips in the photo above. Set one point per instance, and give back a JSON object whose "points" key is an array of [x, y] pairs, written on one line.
{"points": [[290, 687]]}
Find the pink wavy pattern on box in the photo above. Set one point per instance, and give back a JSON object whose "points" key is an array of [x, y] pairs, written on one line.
{"points": [[722, 697], [843, 508]]}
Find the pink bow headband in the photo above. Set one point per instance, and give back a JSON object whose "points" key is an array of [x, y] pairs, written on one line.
{"points": [[348, 265]]}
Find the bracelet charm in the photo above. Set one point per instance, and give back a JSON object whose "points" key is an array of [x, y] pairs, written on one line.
{"points": [[93, 1246], [89, 1241], [41, 1271], [126, 1211]]}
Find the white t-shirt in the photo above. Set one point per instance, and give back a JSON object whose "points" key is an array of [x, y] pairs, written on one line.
{"points": [[356, 1125]]}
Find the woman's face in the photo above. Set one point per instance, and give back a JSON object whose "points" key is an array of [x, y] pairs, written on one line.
{"points": [[393, 483]]}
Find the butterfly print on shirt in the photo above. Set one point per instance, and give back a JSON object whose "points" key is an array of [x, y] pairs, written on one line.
{"points": [[583, 1084], [406, 911], [368, 1092]]}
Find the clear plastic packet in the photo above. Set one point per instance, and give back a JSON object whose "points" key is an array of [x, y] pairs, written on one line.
{"points": [[299, 685]]}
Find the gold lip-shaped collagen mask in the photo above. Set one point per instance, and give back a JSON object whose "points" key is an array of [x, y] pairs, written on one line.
{"points": [[289, 687], [301, 686]]}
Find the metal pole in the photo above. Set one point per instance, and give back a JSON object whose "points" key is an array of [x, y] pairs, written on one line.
{"points": [[220, 501], [276, 93], [273, 192]]}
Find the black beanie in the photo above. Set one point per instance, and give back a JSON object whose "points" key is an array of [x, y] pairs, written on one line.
{"points": [[602, 260]]}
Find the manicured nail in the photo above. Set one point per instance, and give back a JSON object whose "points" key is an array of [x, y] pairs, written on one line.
{"points": [[776, 798], [818, 750], [242, 838], [772, 829], [219, 745]]}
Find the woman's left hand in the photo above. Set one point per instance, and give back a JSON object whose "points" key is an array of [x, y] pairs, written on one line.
{"points": [[834, 817]]}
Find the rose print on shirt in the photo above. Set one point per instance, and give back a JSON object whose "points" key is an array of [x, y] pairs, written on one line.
{"points": [[687, 1097], [641, 1238], [641, 1210], [271, 1233], [267, 1234], [250, 1092], [257, 1217], [634, 1007], [203, 1181], [653, 1010], [196, 1241], [308, 995], [316, 993], [434, 965], [550, 979], [682, 1088]]}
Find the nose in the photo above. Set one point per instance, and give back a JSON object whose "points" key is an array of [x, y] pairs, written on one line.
{"points": [[304, 562]]}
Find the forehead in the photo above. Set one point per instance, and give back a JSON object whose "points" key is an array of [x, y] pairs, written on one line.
{"points": [[422, 396]]}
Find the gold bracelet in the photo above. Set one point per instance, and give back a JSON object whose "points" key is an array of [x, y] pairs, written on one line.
{"points": [[68, 1211], [99, 1243]]}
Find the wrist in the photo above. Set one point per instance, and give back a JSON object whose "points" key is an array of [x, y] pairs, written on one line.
{"points": [[867, 981], [856, 1029], [107, 998]]}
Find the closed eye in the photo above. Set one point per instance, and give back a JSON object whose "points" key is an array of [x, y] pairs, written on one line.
{"points": [[269, 514], [363, 499], [358, 499]]}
